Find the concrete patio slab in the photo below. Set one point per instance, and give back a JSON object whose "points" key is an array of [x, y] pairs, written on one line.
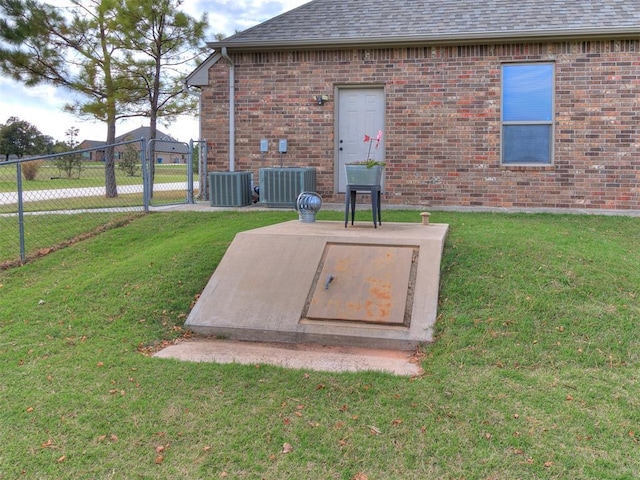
{"points": [[296, 356], [325, 284]]}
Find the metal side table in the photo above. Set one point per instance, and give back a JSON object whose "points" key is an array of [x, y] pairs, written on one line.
{"points": [[350, 199]]}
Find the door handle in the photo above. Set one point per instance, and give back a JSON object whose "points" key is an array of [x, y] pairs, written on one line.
{"points": [[328, 281]]}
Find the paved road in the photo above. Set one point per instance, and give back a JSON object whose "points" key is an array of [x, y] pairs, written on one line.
{"points": [[7, 198]]}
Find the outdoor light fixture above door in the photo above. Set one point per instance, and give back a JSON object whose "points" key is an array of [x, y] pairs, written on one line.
{"points": [[320, 99]]}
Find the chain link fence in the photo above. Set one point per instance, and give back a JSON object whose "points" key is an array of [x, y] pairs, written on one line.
{"points": [[53, 200], [171, 173]]}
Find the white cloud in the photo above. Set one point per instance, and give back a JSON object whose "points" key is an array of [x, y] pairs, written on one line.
{"points": [[229, 16], [42, 105]]}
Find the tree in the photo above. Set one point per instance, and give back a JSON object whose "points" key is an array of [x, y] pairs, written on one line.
{"points": [[41, 45], [130, 162], [81, 50], [118, 55], [20, 138], [71, 161], [167, 41]]}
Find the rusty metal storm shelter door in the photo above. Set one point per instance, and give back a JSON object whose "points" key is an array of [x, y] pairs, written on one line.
{"points": [[364, 283]]}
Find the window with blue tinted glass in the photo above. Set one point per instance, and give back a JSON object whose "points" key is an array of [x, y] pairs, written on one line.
{"points": [[527, 113]]}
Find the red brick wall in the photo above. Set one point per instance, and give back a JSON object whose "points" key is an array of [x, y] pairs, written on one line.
{"points": [[443, 121]]}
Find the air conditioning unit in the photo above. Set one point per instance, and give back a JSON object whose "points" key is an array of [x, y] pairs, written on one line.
{"points": [[230, 189], [280, 187]]}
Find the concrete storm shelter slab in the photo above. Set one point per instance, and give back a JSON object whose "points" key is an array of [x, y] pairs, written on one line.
{"points": [[322, 283]]}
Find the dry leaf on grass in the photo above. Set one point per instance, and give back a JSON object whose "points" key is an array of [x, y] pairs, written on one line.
{"points": [[287, 448]]}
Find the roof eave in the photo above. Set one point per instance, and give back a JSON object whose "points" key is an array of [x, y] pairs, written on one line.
{"points": [[199, 76], [457, 39]]}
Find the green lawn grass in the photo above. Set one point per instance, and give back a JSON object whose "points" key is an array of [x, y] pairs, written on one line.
{"points": [[534, 372]]}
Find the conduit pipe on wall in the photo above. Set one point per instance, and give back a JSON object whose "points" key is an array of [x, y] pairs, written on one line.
{"points": [[232, 110]]}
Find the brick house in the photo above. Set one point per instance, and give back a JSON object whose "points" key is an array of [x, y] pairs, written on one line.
{"points": [[167, 148], [496, 104]]}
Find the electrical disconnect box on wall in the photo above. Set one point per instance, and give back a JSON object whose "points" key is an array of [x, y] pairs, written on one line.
{"points": [[282, 148], [264, 145]]}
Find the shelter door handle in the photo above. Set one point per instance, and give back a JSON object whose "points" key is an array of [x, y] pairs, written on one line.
{"points": [[328, 281]]}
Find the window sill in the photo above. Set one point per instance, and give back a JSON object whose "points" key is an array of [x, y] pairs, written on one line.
{"points": [[527, 166]]}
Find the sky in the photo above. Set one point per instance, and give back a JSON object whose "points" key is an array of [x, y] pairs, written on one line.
{"points": [[42, 105]]}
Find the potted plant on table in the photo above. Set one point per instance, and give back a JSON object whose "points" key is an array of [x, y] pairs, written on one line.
{"points": [[369, 171]]}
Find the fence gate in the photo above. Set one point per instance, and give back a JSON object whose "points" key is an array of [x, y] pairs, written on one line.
{"points": [[169, 172]]}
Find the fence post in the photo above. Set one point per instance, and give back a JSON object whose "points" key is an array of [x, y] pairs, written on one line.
{"points": [[190, 173], [145, 176], [202, 170], [23, 255]]}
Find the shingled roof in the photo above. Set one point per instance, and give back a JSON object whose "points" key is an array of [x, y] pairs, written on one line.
{"points": [[164, 142], [327, 23]]}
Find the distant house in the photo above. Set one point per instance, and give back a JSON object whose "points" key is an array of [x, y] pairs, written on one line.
{"points": [[96, 154], [167, 149], [524, 105]]}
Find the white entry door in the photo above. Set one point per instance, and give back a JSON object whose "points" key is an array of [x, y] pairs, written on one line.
{"points": [[360, 113]]}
